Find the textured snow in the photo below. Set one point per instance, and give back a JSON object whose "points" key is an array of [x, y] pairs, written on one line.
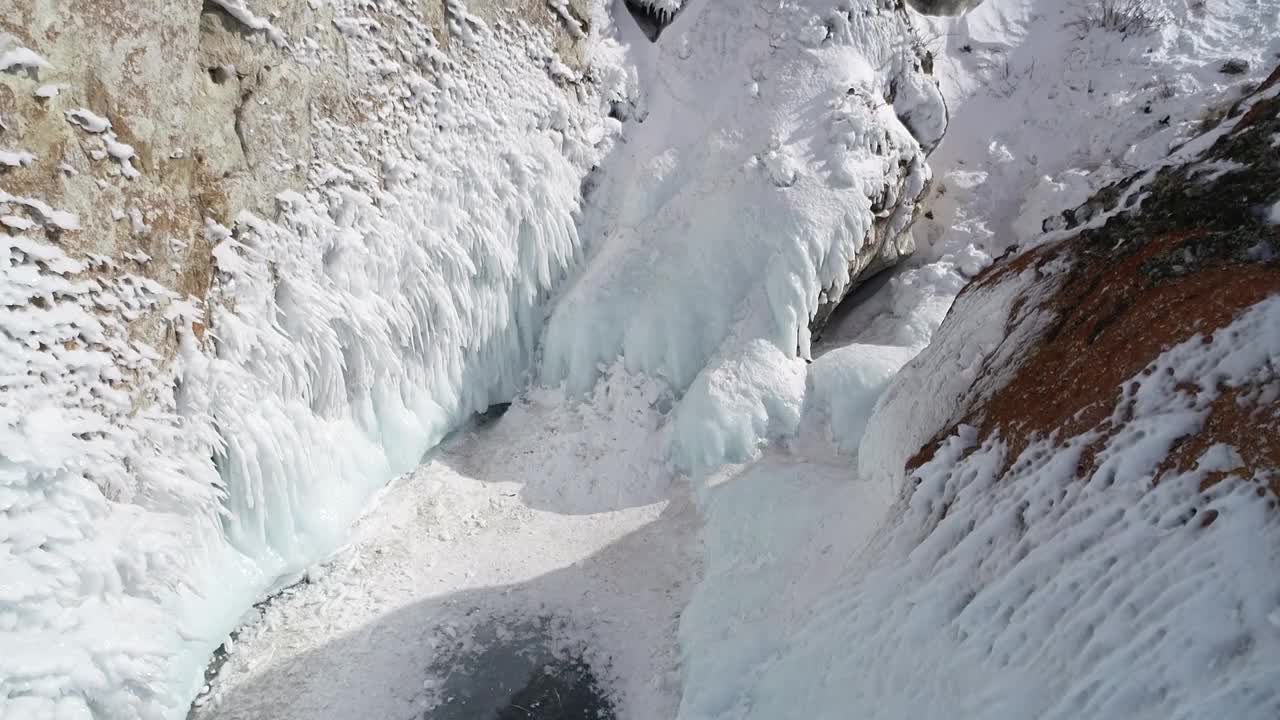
{"points": [[21, 58], [16, 158], [88, 121], [1035, 594], [738, 204], [347, 334], [241, 12], [374, 314]]}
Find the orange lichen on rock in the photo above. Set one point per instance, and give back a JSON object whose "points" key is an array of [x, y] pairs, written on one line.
{"points": [[1189, 259]]}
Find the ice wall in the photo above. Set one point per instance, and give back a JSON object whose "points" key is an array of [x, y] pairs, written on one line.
{"points": [[776, 155], [151, 495]]}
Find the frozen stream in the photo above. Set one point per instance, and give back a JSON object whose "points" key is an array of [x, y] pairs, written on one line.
{"points": [[544, 537], [531, 547]]}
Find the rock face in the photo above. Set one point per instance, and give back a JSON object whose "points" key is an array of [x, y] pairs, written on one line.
{"points": [[1178, 251], [1096, 441], [217, 104]]}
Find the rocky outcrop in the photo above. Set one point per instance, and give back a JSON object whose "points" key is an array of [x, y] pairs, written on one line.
{"points": [[1088, 452], [1173, 253]]}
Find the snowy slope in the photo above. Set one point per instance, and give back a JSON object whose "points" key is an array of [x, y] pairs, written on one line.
{"points": [[1045, 112], [992, 593], [999, 581]]}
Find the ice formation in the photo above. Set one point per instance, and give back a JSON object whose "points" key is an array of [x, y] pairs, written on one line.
{"points": [[345, 336], [781, 152], [773, 146]]}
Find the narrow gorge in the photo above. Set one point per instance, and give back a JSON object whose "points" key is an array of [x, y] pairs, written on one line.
{"points": [[641, 359]]}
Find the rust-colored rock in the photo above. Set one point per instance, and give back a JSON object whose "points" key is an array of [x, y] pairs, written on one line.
{"points": [[1195, 253]]}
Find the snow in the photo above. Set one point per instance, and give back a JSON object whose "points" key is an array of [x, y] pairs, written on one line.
{"points": [[44, 214], [123, 154], [665, 315], [739, 202], [1037, 595], [240, 11], [95, 124], [16, 158], [88, 121], [21, 58], [916, 406], [345, 336], [556, 509], [561, 9]]}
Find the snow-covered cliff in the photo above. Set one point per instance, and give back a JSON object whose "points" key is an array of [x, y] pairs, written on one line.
{"points": [[265, 263], [255, 266], [261, 258]]}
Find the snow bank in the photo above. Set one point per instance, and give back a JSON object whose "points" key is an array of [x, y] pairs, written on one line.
{"points": [[779, 152], [846, 384]]}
